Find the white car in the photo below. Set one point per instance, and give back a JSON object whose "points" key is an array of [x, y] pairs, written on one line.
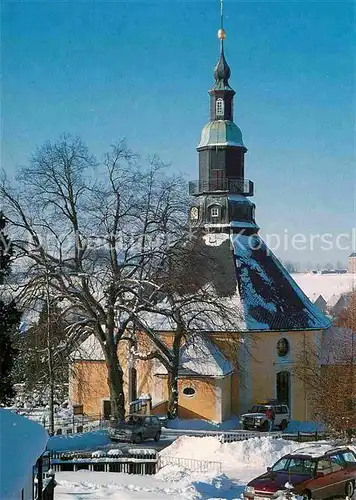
{"points": [[256, 417]]}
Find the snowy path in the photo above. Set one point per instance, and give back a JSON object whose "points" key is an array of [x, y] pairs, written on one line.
{"points": [[113, 486], [99, 440], [86, 485]]}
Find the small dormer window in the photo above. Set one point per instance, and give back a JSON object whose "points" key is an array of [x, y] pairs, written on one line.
{"points": [[214, 212], [219, 107]]}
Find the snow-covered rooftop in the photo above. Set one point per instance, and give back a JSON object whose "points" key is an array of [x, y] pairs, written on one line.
{"points": [[200, 355], [22, 443], [329, 286], [89, 349]]}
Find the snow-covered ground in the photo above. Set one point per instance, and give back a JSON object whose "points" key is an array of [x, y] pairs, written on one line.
{"points": [[240, 462]]}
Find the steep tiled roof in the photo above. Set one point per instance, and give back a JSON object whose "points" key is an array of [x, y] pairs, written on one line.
{"points": [[258, 291], [271, 298]]}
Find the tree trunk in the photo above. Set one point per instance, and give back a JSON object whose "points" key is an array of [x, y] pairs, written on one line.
{"points": [[172, 411], [116, 384]]}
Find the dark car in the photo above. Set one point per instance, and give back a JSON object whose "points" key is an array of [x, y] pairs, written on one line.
{"points": [[317, 472], [136, 428]]}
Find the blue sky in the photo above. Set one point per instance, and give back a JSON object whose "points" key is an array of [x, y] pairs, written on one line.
{"points": [[141, 70]]}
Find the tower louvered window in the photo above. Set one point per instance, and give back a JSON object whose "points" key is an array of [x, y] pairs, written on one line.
{"points": [[219, 107]]}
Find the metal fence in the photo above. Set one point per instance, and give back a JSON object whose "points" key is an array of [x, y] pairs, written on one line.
{"points": [[224, 436], [304, 437], [233, 436], [190, 463], [130, 463], [66, 424]]}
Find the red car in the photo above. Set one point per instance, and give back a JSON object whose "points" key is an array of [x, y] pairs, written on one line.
{"points": [[318, 472]]}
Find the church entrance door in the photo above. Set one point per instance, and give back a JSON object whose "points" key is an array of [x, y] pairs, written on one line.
{"points": [[283, 383]]}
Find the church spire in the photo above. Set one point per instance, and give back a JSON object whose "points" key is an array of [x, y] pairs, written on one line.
{"points": [[222, 70], [221, 95]]}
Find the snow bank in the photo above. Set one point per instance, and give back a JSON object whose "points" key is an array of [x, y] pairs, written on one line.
{"points": [[256, 452], [75, 442], [114, 486], [22, 443]]}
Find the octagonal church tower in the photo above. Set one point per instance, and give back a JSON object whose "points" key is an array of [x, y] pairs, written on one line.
{"points": [[224, 216], [222, 191]]}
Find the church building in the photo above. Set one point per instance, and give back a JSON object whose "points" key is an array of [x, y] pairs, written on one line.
{"points": [[223, 373]]}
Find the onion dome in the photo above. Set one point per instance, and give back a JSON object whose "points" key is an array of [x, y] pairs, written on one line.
{"points": [[222, 70]]}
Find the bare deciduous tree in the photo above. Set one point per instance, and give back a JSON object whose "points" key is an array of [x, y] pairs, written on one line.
{"points": [[102, 236], [328, 371], [97, 230]]}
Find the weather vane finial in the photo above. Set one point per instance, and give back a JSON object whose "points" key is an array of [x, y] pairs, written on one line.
{"points": [[221, 32]]}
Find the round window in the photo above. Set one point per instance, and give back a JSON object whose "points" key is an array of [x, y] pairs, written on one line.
{"points": [[282, 347], [188, 391]]}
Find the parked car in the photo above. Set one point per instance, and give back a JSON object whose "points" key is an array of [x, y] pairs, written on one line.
{"points": [[136, 428], [256, 417], [318, 472]]}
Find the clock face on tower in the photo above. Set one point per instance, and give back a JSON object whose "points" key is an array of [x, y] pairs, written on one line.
{"points": [[194, 213]]}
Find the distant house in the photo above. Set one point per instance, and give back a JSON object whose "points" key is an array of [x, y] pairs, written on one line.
{"points": [[352, 263], [330, 292], [22, 443], [337, 304], [320, 303]]}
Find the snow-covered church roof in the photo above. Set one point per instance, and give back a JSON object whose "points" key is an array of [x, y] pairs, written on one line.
{"points": [[199, 356], [22, 443], [266, 295]]}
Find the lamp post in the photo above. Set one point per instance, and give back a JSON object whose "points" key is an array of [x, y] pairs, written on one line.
{"points": [[49, 358]]}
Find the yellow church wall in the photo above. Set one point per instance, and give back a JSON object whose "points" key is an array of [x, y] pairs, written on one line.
{"points": [[254, 378], [265, 364], [224, 385], [88, 386], [229, 344], [204, 402]]}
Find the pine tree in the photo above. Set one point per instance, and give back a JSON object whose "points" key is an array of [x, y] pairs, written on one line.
{"points": [[9, 320]]}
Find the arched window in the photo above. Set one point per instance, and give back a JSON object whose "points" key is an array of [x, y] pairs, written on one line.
{"points": [[219, 107], [253, 212], [283, 387]]}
